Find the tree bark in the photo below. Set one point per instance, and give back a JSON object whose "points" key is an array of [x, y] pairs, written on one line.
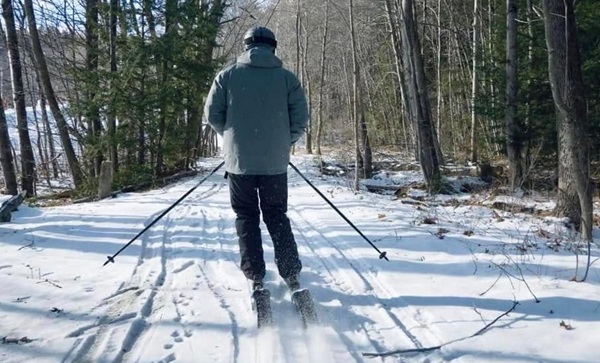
{"points": [[27, 156], [514, 137], [92, 114], [566, 80], [49, 133], [51, 97], [419, 98], [112, 127], [6, 158], [319, 130], [356, 111], [474, 83]]}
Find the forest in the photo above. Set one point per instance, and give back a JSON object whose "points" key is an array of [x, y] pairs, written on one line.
{"points": [[512, 84]]}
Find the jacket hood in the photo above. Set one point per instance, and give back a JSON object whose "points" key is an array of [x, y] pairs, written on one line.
{"points": [[260, 56]]}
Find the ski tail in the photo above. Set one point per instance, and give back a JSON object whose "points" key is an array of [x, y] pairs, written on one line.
{"points": [[305, 305], [261, 299]]}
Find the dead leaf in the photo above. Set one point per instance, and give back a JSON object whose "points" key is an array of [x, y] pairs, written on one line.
{"points": [[565, 325]]}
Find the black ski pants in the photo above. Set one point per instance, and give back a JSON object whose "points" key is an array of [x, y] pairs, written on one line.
{"points": [[251, 195]]}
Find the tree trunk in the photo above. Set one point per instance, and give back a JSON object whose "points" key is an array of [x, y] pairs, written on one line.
{"points": [[366, 146], [419, 98], [112, 127], [474, 83], [514, 137], [528, 142], [49, 134], [92, 114], [27, 157], [399, 65], [355, 99], [51, 97], [6, 157], [566, 80], [308, 86], [170, 10], [319, 130]]}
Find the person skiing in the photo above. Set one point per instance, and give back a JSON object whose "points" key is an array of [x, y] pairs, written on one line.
{"points": [[260, 110]]}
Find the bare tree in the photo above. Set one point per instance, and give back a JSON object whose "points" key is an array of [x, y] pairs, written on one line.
{"points": [[27, 157], [61, 123], [418, 97], [566, 80]]}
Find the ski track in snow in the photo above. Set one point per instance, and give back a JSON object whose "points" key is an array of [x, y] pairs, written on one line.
{"points": [[187, 298]]}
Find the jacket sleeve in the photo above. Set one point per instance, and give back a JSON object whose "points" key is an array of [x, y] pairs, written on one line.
{"points": [[297, 109], [215, 108]]}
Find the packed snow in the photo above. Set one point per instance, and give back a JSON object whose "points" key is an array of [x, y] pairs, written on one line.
{"points": [[473, 283]]}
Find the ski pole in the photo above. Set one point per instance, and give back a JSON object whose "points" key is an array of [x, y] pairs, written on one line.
{"points": [[382, 255], [112, 258]]}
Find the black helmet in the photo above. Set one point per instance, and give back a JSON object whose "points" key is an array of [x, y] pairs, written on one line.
{"points": [[259, 35]]}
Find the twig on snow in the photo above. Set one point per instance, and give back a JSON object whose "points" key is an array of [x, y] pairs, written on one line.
{"points": [[491, 287], [26, 246], [482, 330], [429, 349], [51, 283]]}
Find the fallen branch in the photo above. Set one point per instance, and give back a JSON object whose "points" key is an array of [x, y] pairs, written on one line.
{"points": [[7, 340], [429, 349], [142, 186], [11, 205]]}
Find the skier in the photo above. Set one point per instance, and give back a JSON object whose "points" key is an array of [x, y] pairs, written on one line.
{"points": [[260, 110]]}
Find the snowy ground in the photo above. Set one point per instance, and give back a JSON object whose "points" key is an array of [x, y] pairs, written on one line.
{"points": [[177, 294]]}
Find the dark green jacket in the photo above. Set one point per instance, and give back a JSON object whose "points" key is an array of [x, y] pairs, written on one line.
{"points": [[260, 110]]}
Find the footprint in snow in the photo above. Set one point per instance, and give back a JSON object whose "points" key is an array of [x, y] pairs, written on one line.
{"points": [[177, 336], [168, 359]]}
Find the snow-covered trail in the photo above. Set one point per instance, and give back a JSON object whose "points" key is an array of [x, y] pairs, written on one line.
{"points": [[187, 301], [177, 294]]}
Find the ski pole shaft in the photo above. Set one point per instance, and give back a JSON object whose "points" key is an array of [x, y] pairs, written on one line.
{"points": [[382, 255], [112, 258]]}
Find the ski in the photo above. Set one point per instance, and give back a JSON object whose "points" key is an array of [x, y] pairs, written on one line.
{"points": [[305, 305], [261, 299]]}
